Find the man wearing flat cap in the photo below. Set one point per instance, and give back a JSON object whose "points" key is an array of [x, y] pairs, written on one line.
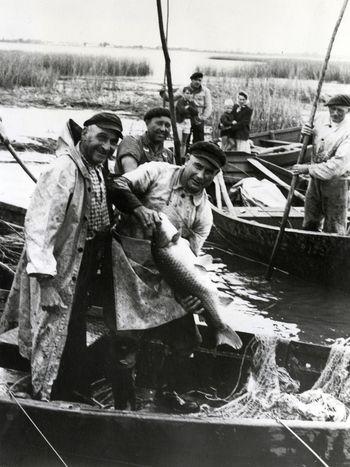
{"points": [[145, 305], [326, 202], [67, 233], [202, 100], [136, 150]]}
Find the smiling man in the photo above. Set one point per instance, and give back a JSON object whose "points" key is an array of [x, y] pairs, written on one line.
{"points": [[326, 202], [67, 234], [146, 309], [136, 150]]}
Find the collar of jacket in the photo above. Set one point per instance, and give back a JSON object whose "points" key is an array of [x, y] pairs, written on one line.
{"points": [[196, 90], [76, 155]]}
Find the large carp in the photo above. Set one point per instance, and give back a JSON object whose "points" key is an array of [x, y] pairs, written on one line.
{"points": [[176, 263]]}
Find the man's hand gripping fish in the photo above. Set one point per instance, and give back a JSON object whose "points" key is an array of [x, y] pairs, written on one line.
{"points": [[176, 263]]}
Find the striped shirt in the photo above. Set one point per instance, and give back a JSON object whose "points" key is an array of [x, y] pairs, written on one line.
{"points": [[99, 216]]}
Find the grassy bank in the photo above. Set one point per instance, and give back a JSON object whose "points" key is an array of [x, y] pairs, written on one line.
{"points": [[41, 70], [280, 68]]}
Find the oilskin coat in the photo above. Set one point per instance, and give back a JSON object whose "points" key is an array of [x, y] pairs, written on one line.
{"points": [[56, 229]]}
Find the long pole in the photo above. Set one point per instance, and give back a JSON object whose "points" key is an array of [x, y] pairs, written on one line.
{"points": [[304, 147], [166, 40], [169, 82], [15, 155]]}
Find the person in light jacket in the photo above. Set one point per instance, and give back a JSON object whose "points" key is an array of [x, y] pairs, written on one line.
{"points": [[66, 236], [326, 202]]}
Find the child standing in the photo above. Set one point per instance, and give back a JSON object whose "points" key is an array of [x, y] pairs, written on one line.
{"points": [[225, 123], [185, 110]]}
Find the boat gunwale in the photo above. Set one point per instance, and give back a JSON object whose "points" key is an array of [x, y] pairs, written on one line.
{"points": [[270, 423]]}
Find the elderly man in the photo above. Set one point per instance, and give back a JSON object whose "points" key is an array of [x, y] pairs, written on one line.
{"points": [[66, 230], [145, 307], [202, 100], [136, 150], [326, 200]]}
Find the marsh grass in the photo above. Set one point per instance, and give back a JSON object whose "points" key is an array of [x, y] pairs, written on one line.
{"points": [[276, 103], [42, 70], [280, 68]]}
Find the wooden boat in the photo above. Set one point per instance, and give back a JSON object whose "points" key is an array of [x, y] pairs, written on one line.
{"points": [[280, 150], [276, 137], [315, 256], [90, 436]]}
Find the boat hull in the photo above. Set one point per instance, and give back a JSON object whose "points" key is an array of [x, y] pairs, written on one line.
{"points": [[98, 437], [319, 257]]}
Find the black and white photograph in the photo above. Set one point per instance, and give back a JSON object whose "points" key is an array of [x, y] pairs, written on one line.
{"points": [[174, 233]]}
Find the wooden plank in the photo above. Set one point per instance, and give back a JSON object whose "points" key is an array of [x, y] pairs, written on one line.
{"points": [[258, 165]]}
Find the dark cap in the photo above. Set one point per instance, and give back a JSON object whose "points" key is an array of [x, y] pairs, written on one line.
{"points": [[210, 152], [196, 75], [106, 121], [339, 99], [156, 112]]}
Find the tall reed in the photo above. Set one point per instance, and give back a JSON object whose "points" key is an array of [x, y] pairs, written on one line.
{"points": [[40, 70]]}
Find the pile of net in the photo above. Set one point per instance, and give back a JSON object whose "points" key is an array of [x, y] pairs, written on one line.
{"points": [[270, 392], [11, 245]]}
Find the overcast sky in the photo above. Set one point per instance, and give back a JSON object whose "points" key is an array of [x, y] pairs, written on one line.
{"points": [[282, 26]]}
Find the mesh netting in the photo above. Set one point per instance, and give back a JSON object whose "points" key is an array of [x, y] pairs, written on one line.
{"points": [[270, 392]]}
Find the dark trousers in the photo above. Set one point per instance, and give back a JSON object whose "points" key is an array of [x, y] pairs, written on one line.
{"points": [[326, 206], [198, 132], [179, 338], [72, 375]]}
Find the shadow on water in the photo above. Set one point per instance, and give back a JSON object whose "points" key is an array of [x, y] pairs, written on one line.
{"points": [[286, 306]]}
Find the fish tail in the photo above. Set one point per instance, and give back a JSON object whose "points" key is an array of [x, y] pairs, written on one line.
{"points": [[229, 337]]}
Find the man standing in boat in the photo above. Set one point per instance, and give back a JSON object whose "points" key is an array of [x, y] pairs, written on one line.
{"points": [[202, 100], [326, 202], [66, 239], [136, 150], [145, 305]]}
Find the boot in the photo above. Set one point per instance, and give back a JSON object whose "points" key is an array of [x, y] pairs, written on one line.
{"points": [[170, 378]]}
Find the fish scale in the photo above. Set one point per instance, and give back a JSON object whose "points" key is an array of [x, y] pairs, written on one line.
{"points": [[176, 263]]}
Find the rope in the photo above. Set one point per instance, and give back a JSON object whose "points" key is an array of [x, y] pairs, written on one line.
{"points": [[240, 369], [36, 426], [302, 442]]}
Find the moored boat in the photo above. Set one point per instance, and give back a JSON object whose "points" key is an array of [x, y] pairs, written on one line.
{"points": [[315, 256]]}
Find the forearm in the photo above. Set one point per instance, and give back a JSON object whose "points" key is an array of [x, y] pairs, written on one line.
{"points": [[122, 196]]}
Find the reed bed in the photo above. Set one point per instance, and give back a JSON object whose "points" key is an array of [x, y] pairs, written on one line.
{"points": [[277, 104], [280, 68], [43, 70]]}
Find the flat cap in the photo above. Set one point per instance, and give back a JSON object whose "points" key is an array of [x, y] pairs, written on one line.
{"points": [[156, 112], [339, 99], [196, 75], [210, 152], [106, 121]]}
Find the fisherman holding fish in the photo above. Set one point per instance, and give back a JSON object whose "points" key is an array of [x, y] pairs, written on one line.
{"points": [[326, 202], [136, 150], [160, 201]]}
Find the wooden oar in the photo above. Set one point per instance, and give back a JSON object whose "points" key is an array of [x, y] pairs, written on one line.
{"points": [[304, 147], [169, 82], [258, 165], [11, 149]]}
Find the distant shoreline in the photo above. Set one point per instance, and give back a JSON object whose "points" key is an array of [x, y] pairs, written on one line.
{"points": [[158, 47]]}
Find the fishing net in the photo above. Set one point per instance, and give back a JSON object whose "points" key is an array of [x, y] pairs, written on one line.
{"points": [[11, 246], [270, 392]]}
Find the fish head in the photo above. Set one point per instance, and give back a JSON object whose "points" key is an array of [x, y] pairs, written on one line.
{"points": [[165, 232]]}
